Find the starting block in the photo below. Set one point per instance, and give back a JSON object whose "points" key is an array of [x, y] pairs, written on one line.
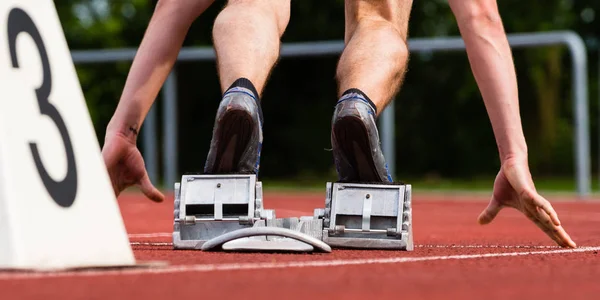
{"points": [[208, 206], [368, 216], [226, 212]]}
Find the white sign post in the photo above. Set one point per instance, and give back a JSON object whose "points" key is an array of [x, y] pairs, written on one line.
{"points": [[57, 207]]}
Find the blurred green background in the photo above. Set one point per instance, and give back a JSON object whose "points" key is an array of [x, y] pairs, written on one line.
{"points": [[444, 138]]}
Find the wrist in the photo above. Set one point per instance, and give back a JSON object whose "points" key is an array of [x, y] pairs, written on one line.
{"points": [[123, 130], [126, 122], [514, 155], [511, 143]]}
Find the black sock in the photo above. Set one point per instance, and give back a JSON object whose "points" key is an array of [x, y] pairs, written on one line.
{"points": [[357, 91], [245, 83]]}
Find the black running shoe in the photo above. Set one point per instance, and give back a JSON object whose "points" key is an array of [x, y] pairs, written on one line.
{"points": [[357, 151], [237, 135]]}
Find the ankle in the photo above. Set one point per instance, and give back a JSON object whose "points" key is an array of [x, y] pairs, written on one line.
{"points": [[247, 84], [358, 94]]}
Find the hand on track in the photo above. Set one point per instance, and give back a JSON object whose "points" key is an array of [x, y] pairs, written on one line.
{"points": [[126, 167], [514, 188]]}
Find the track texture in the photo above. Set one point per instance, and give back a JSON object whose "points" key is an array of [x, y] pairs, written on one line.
{"points": [[455, 258]]}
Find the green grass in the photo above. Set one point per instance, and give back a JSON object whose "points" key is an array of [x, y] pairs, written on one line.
{"points": [[480, 184]]}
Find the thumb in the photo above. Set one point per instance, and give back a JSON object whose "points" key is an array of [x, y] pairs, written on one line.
{"points": [[490, 212], [149, 190]]}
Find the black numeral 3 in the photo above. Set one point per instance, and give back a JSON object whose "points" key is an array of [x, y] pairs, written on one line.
{"points": [[62, 192]]}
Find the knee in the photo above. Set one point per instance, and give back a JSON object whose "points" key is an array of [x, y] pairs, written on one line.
{"points": [[277, 11], [477, 13], [394, 13]]}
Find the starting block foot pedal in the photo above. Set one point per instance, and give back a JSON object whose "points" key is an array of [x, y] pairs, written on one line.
{"points": [[368, 216], [241, 240], [208, 206]]}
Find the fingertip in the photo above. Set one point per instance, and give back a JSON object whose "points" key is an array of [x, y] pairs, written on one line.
{"points": [[484, 219], [568, 241], [489, 213], [150, 190], [155, 195], [160, 198], [572, 243]]}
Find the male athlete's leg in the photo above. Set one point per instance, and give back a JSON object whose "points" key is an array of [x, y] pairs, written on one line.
{"points": [[247, 37], [369, 74]]}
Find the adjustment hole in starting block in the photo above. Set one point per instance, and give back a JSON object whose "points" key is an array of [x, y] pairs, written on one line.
{"points": [[200, 210], [229, 210], [355, 222], [378, 222], [235, 210]]}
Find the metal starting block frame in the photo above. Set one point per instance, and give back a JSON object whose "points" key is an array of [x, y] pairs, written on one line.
{"points": [[226, 211], [368, 216], [208, 206]]}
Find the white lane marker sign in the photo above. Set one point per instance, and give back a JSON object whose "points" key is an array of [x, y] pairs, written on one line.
{"points": [[57, 208]]}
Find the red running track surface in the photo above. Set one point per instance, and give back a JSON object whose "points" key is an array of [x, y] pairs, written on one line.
{"points": [[455, 258]]}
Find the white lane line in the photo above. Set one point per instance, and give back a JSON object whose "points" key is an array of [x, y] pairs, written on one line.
{"points": [[170, 235], [281, 265], [416, 246], [150, 244], [490, 246], [150, 235]]}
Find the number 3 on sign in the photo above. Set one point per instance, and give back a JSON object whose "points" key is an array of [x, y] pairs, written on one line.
{"points": [[62, 192]]}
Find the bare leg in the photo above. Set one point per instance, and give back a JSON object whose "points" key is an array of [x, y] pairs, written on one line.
{"points": [[376, 53], [247, 39], [369, 74]]}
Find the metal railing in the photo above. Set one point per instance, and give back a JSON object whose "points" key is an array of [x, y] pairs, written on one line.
{"points": [[570, 39]]}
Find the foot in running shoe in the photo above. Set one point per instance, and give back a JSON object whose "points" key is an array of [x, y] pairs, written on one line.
{"points": [[237, 134], [356, 148]]}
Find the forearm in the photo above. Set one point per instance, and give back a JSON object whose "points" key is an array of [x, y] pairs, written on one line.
{"points": [[493, 68], [153, 62]]}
